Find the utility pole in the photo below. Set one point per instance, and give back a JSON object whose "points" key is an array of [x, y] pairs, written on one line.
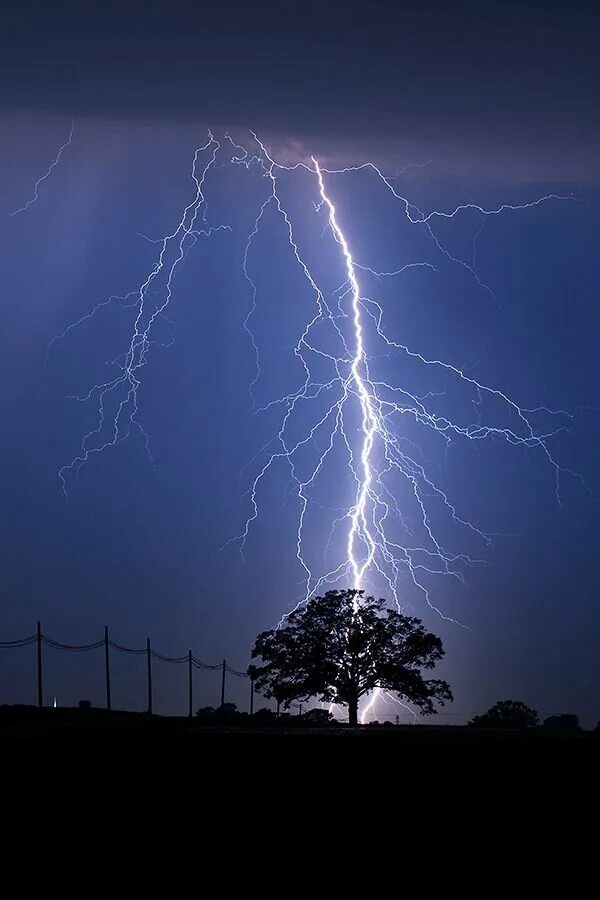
{"points": [[223, 684], [39, 666], [251, 695], [149, 659], [107, 668], [190, 686]]}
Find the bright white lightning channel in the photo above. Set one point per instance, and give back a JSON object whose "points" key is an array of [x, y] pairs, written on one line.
{"points": [[358, 520], [388, 527], [369, 547], [359, 527]]}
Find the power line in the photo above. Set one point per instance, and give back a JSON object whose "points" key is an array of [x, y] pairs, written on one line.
{"points": [[193, 662], [75, 647], [235, 672], [19, 642], [202, 665], [169, 659], [122, 649]]}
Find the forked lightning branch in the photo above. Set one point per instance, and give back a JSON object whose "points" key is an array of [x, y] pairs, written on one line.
{"points": [[385, 532]]}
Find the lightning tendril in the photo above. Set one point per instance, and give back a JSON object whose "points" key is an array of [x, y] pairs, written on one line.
{"points": [[382, 527], [46, 174]]}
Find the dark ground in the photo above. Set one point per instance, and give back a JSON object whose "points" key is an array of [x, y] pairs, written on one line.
{"points": [[150, 774], [25, 727]]}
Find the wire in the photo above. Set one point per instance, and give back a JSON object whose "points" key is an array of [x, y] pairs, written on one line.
{"points": [[57, 645], [19, 642], [136, 651], [202, 665], [169, 659], [235, 672], [126, 649]]}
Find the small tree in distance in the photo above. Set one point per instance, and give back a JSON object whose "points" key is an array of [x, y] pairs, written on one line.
{"points": [[342, 646], [318, 717], [507, 714], [564, 722]]}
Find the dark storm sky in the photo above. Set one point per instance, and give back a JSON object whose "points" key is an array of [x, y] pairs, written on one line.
{"points": [[502, 97], [502, 81]]}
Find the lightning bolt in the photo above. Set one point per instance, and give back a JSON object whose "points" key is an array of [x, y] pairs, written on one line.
{"points": [[382, 448], [122, 391], [47, 173], [344, 407]]}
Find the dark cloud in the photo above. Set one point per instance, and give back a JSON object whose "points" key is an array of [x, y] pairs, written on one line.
{"points": [[469, 81]]}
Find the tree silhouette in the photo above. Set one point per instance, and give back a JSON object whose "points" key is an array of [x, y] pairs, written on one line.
{"points": [[342, 646], [226, 713], [562, 722], [264, 716], [507, 714], [317, 717]]}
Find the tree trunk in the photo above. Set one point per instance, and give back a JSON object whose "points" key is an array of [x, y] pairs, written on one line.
{"points": [[353, 711]]}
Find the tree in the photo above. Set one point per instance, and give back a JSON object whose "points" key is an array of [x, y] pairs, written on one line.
{"points": [[563, 722], [318, 716], [507, 714], [265, 716], [226, 713], [342, 646]]}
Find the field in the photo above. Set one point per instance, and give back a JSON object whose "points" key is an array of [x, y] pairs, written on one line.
{"points": [[23, 727]]}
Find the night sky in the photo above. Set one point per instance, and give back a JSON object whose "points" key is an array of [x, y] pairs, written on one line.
{"points": [[500, 102]]}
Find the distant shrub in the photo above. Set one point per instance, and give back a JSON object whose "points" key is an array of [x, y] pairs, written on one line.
{"points": [[563, 722], [507, 714], [317, 717]]}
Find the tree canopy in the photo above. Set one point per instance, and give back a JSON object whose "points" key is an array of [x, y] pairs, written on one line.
{"points": [[507, 714], [341, 646]]}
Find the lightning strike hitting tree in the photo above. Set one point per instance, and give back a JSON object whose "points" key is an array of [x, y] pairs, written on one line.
{"points": [[343, 407]]}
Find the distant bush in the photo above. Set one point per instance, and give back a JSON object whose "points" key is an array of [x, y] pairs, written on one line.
{"points": [[225, 714], [507, 714], [264, 716], [317, 717], [84, 704], [564, 722]]}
